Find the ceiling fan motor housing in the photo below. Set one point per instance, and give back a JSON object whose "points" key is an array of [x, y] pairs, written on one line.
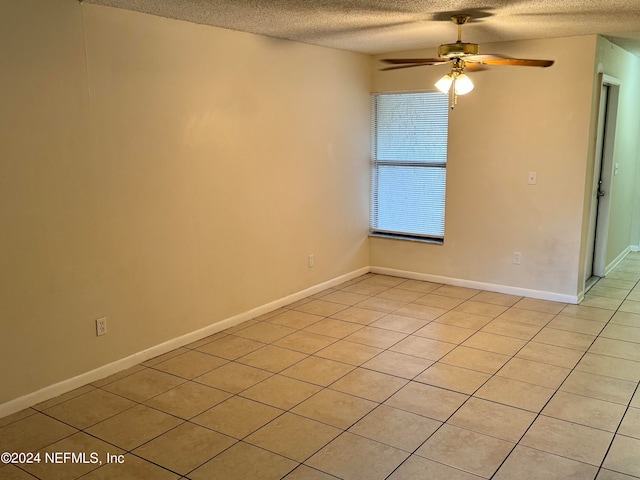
{"points": [[458, 49]]}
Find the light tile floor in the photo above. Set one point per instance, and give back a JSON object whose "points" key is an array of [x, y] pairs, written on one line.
{"points": [[379, 378]]}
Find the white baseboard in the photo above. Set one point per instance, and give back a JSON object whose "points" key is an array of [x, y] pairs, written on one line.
{"points": [[617, 260], [635, 248], [103, 371], [523, 292], [52, 391]]}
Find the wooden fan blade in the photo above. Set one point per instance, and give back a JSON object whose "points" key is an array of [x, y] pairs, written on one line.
{"points": [[475, 67], [483, 57], [426, 61], [504, 60], [397, 67], [525, 62]]}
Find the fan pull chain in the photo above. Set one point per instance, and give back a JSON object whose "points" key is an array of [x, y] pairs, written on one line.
{"points": [[453, 96]]}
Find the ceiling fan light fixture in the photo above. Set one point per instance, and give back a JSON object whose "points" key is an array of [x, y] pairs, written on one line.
{"points": [[460, 82], [463, 84], [444, 84]]}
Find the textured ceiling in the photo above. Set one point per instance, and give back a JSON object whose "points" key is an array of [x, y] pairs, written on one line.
{"points": [[377, 26]]}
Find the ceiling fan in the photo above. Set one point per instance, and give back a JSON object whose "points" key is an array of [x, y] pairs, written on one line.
{"points": [[462, 56]]}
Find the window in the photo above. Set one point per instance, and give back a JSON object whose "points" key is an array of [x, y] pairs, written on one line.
{"points": [[409, 159]]}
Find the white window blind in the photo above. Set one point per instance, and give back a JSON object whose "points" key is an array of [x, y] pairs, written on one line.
{"points": [[409, 158]]}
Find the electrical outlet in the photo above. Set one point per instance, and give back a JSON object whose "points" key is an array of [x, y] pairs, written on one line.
{"points": [[101, 326], [517, 258], [312, 260]]}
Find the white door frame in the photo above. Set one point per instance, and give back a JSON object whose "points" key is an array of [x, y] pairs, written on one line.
{"points": [[603, 177]]}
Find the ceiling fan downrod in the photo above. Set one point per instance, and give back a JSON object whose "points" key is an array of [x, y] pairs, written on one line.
{"points": [[460, 20], [458, 49]]}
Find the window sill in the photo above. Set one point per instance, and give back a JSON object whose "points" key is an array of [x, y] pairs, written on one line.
{"points": [[408, 238]]}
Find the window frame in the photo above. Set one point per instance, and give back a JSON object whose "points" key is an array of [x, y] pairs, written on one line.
{"points": [[376, 163]]}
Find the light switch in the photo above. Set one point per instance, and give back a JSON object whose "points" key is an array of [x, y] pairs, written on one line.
{"points": [[533, 178]]}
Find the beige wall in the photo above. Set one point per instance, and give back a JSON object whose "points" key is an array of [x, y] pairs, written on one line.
{"points": [[49, 253], [516, 121], [175, 176]]}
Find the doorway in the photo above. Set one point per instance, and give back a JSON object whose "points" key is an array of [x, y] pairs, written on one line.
{"points": [[595, 266]]}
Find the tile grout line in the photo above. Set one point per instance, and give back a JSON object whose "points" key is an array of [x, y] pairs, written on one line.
{"points": [[557, 390], [539, 414], [327, 387], [472, 396], [388, 349], [601, 466]]}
